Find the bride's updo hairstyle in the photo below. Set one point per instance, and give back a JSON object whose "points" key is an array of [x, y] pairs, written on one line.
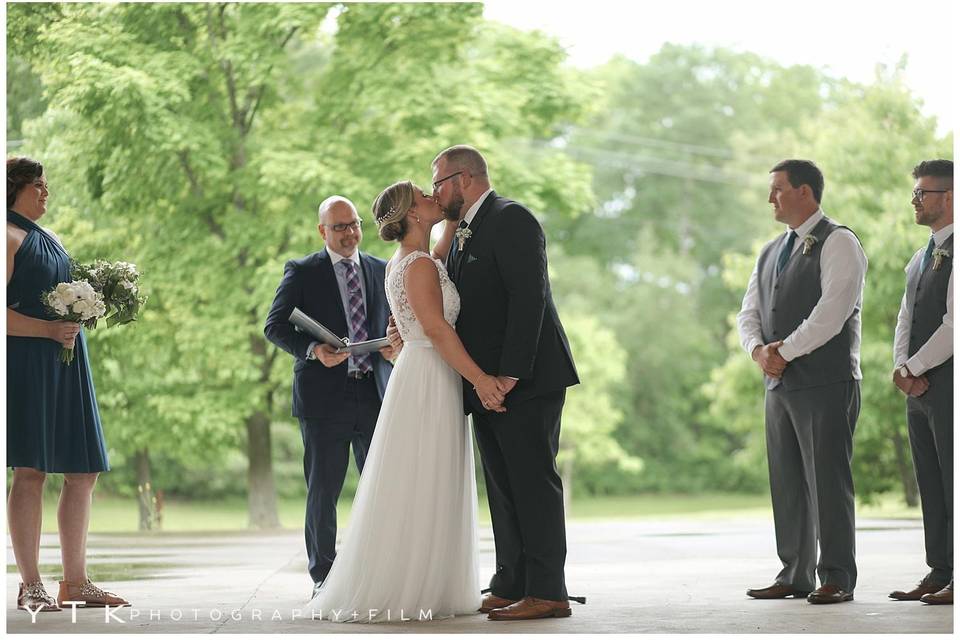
{"points": [[390, 210]]}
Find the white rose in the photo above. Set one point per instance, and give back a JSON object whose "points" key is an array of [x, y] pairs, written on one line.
{"points": [[85, 290], [66, 292]]}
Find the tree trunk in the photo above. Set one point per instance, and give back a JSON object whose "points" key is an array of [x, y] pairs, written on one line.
{"points": [[911, 493], [144, 489], [261, 491]]}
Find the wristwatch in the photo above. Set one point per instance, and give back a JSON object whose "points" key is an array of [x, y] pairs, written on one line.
{"points": [[904, 372]]}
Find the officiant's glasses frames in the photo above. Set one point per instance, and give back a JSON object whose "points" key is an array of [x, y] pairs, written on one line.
{"points": [[343, 226], [919, 193], [436, 185]]}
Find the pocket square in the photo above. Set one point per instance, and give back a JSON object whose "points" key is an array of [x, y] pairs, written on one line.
{"points": [[471, 258]]}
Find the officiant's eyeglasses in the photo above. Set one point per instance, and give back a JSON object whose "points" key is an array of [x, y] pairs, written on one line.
{"points": [[343, 226], [436, 185], [919, 193]]}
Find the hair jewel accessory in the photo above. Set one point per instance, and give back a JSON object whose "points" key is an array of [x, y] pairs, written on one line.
{"points": [[392, 211]]}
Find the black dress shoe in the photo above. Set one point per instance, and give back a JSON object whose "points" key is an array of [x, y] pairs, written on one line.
{"points": [[944, 596], [926, 586], [829, 594], [775, 591], [316, 589]]}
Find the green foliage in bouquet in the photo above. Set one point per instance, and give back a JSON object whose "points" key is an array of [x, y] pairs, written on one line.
{"points": [[118, 283]]}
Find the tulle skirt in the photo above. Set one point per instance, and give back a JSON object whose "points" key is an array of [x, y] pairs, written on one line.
{"points": [[410, 550]]}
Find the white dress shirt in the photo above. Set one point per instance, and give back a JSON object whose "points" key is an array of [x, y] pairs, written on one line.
{"points": [[472, 211], [843, 267], [939, 347]]}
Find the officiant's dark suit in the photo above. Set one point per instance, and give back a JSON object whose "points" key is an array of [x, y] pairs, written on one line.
{"points": [[337, 406], [509, 325]]}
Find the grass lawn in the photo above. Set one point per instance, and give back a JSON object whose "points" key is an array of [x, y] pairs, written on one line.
{"points": [[112, 514]]}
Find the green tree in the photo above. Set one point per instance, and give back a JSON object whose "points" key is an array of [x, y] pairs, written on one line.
{"points": [[590, 414], [197, 140]]}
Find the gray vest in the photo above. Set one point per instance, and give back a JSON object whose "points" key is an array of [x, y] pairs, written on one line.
{"points": [[787, 301], [927, 296]]}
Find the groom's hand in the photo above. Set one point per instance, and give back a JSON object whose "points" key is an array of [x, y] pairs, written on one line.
{"points": [[389, 353], [505, 384], [393, 335]]}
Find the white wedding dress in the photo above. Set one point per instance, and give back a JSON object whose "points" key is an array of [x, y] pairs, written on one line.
{"points": [[410, 550]]}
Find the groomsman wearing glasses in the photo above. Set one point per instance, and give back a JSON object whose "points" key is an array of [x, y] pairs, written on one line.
{"points": [[923, 371], [800, 321], [336, 396]]}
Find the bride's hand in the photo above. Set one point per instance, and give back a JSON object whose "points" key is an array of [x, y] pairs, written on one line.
{"points": [[489, 393]]}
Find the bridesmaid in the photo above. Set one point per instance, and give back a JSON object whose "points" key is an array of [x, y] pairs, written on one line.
{"points": [[53, 424]]}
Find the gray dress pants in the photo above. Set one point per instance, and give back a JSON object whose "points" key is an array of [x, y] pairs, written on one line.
{"points": [[930, 419], [809, 451]]}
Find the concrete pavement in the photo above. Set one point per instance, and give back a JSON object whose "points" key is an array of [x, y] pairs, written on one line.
{"points": [[639, 576]]}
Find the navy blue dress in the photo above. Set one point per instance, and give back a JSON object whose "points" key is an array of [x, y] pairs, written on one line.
{"points": [[53, 423]]}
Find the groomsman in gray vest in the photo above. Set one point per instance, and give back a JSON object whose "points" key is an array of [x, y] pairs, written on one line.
{"points": [[800, 321], [923, 371]]}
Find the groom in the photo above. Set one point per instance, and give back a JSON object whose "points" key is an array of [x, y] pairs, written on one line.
{"points": [[509, 325]]}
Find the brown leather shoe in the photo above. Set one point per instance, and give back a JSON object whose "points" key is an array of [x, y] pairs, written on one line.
{"points": [[89, 594], [926, 586], [33, 595], [531, 608], [944, 596], [775, 591], [491, 602], [829, 594]]}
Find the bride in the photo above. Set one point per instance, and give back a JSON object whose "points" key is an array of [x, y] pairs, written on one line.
{"points": [[410, 551]]}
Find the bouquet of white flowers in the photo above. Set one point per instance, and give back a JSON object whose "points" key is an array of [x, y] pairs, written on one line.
{"points": [[75, 301], [118, 283]]}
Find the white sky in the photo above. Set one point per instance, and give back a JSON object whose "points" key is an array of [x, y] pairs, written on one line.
{"points": [[847, 38]]}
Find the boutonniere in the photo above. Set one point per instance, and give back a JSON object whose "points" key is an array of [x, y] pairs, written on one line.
{"points": [[938, 256], [462, 236], [808, 242]]}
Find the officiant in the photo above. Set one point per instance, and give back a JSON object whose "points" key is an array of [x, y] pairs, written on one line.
{"points": [[336, 396]]}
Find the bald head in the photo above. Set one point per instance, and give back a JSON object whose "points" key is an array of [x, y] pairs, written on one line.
{"points": [[339, 225], [334, 203]]}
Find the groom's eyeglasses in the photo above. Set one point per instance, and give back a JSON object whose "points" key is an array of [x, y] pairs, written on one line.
{"points": [[436, 185]]}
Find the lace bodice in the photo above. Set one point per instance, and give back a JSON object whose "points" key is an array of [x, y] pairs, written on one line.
{"points": [[410, 328]]}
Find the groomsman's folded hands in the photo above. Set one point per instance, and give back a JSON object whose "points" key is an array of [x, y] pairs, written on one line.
{"points": [[768, 358], [914, 386]]}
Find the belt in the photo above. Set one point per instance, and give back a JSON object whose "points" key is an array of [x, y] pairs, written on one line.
{"points": [[359, 375]]}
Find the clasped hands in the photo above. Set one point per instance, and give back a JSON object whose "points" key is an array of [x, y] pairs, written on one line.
{"points": [[769, 360], [914, 386], [492, 390]]}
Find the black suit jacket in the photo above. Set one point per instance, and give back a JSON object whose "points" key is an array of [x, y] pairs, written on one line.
{"points": [[310, 284], [508, 322]]}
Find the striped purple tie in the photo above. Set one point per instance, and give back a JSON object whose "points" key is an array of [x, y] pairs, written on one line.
{"points": [[357, 314]]}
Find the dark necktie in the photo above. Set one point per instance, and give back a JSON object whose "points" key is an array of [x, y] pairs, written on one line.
{"points": [[927, 255], [786, 251], [357, 313]]}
